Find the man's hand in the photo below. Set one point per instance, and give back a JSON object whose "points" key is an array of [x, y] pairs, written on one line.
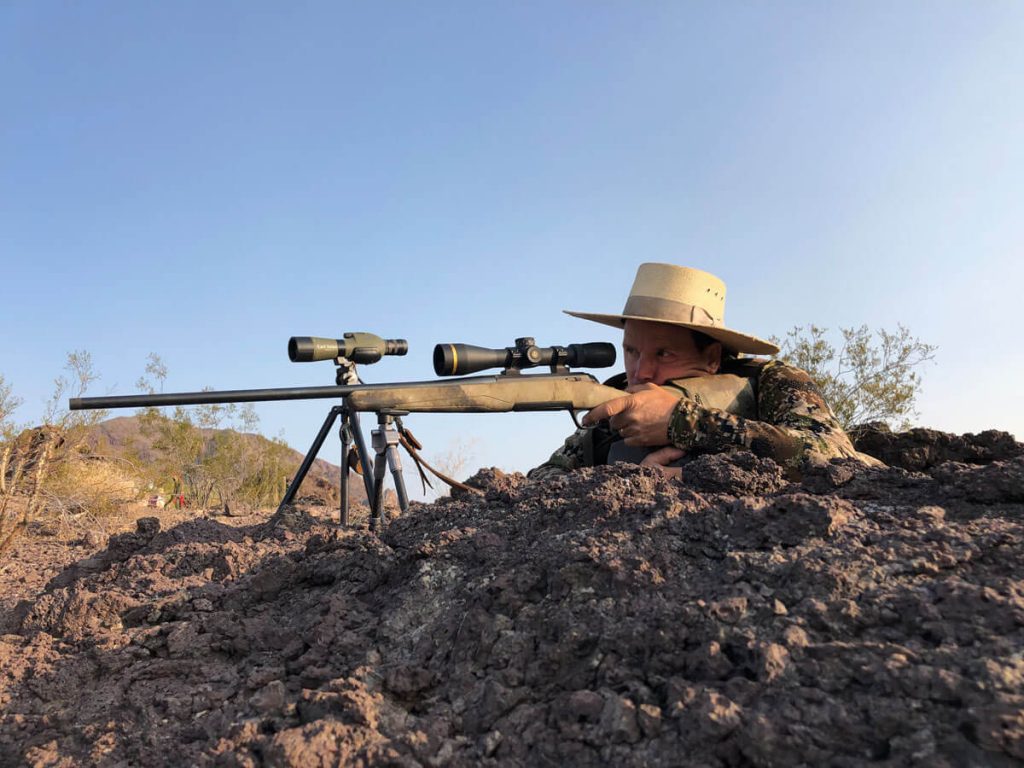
{"points": [[662, 457], [640, 417]]}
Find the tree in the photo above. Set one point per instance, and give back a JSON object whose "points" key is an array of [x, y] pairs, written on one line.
{"points": [[871, 377], [229, 454], [176, 440]]}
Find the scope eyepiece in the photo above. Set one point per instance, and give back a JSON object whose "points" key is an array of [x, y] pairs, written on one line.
{"points": [[360, 348], [464, 359]]}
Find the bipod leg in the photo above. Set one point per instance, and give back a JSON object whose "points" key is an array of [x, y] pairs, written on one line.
{"points": [[380, 465], [364, 457], [307, 462], [395, 465]]}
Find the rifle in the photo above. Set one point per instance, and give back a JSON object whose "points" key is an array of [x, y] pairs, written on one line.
{"points": [[509, 391], [500, 393]]}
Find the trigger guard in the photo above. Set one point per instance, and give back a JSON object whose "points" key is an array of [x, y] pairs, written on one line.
{"points": [[575, 418]]}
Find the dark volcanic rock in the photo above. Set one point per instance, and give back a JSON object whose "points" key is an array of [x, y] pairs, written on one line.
{"points": [[737, 473], [609, 617], [920, 449], [1001, 481]]}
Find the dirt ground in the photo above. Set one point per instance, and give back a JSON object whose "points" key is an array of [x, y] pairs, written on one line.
{"points": [[611, 617]]}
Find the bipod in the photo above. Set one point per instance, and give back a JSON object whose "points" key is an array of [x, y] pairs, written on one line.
{"points": [[386, 439]]}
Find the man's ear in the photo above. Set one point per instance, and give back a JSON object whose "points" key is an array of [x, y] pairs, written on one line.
{"points": [[713, 357]]}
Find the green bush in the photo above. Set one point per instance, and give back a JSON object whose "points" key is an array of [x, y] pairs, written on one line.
{"points": [[871, 377]]}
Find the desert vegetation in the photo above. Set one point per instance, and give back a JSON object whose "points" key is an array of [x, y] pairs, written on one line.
{"points": [[873, 376], [42, 466], [79, 464]]}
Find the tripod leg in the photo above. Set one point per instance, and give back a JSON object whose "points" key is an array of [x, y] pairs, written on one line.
{"points": [[307, 462], [346, 445]]}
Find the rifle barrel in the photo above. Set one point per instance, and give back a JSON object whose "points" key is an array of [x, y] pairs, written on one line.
{"points": [[247, 395], [206, 398]]}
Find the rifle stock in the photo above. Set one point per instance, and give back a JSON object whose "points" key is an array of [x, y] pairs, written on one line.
{"points": [[494, 394]]}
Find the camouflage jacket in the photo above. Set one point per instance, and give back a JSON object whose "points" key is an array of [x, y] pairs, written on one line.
{"points": [[794, 425]]}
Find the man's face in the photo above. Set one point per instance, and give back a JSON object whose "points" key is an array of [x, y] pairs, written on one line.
{"points": [[655, 353]]}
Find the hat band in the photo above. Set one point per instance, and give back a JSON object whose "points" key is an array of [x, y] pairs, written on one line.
{"points": [[664, 310]]}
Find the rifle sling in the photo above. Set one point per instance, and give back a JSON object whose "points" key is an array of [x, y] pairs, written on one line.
{"points": [[420, 463]]}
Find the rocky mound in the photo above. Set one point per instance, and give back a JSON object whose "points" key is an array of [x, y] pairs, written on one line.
{"points": [[920, 448], [610, 617]]}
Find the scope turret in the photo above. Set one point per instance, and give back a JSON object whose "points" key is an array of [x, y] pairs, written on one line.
{"points": [[361, 348], [463, 359]]}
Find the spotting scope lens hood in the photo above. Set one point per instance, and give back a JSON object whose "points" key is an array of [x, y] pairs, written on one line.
{"points": [[464, 359], [359, 347]]}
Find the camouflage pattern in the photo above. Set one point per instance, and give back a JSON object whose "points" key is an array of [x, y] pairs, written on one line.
{"points": [[577, 451], [794, 426]]}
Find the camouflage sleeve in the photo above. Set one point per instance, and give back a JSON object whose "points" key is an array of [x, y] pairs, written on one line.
{"points": [[577, 451], [795, 424]]}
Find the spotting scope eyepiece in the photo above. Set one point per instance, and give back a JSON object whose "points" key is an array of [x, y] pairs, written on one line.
{"points": [[463, 359], [360, 348]]}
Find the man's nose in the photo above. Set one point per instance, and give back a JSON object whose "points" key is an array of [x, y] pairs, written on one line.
{"points": [[646, 368]]}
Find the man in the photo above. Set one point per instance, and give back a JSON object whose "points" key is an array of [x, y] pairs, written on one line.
{"points": [[673, 329]]}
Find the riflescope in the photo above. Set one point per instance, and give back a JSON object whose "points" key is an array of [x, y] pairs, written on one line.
{"points": [[360, 348], [463, 359]]}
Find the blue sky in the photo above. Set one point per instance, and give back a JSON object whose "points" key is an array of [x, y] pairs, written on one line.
{"points": [[204, 180]]}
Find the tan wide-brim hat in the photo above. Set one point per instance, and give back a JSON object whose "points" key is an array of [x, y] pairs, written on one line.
{"points": [[683, 296]]}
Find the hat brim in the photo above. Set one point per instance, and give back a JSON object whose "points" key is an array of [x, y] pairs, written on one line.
{"points": [[732, 340]]}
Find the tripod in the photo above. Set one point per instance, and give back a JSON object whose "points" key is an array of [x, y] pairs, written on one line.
{"points": [[385, 441]]}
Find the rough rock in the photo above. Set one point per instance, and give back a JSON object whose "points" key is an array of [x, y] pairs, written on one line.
{"points": [[609, 617], [921, 449]]}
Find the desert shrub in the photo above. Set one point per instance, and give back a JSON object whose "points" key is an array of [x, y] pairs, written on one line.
{"points": [[8, 431], [267, 474], [31, 457], [872, 376], [211, 451], [10, 473], [96, 486]]}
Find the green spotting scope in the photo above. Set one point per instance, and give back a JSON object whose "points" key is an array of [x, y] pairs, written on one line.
{"points": [[358, 347], [463, 359]]}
